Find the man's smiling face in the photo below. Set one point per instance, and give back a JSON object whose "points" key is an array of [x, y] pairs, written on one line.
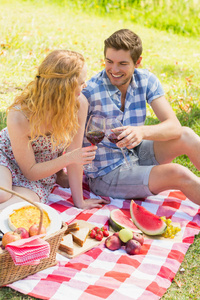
{"points": [[119, 67]]}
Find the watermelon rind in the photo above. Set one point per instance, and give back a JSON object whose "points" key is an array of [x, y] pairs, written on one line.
{"points": [[115, 223], [144, 219]]}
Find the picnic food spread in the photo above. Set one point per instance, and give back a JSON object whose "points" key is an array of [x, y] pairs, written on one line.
{"points": [[26, 216], [20, 219], [82, 236], [157, 256]]}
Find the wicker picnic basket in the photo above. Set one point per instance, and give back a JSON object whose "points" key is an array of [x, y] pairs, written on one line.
{"points": [[9, 272]]}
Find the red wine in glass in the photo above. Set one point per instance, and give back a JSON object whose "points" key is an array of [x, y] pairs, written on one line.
{"points": [[113, 138], [112, 134], [95, 137], [95, 132]]}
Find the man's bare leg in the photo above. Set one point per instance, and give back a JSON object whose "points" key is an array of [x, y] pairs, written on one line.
{"points": [[188, 144], [174, 176]]}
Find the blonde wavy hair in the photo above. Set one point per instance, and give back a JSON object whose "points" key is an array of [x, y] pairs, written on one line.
{"points": [[49, 100]]}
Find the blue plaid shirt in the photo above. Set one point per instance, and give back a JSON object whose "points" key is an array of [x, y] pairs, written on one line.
{"points": [[105, 99]]}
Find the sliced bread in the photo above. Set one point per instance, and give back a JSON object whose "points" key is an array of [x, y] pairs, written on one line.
{"points": [[72, 227], [80, 235], [66, 244]]}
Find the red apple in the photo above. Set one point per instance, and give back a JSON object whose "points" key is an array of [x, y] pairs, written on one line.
{"points": [[113, 242], [10, 237], [117, 234], [133, 247], [138, 237], [22, 232], [33, 230]]}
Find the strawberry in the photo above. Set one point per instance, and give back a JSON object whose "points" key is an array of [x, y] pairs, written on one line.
{"points": [[104, 228], [92, 233], [96, 229], [99, 236], [105, 233]]}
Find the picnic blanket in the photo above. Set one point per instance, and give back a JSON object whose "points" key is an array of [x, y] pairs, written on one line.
{"points": [[114, 275]]}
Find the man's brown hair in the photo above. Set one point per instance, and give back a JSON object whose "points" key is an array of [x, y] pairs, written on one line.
{"points": [[125, 39]]}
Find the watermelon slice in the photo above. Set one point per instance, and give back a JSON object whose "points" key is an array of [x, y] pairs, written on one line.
{"points": [[118, 220], [146, 221]]}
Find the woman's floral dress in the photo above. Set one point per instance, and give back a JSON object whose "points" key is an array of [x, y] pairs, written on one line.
{"points": [[43, 151]]}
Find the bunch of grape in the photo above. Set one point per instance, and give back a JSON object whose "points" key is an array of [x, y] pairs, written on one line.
{"points": [[171, 230]]}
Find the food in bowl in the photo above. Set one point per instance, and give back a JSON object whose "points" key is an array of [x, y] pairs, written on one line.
{"points": [[26, 216]]}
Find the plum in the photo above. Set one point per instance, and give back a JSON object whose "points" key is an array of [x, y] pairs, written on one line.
{"points": [[138, 237], [133, 247], [113, 242]]}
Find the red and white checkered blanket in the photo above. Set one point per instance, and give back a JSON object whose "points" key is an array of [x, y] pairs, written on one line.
{"points": [[103, 274]]}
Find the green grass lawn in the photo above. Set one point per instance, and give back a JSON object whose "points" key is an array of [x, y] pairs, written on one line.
{"points": [[31, 29]]}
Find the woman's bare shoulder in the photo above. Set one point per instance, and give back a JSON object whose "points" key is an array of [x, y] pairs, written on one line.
{"points": [[17, 120]]}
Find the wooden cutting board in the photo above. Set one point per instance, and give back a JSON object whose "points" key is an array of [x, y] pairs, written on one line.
{"points": [[89, 243]]}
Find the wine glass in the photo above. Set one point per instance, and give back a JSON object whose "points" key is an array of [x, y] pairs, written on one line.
{"points": [[95, 132], [112, 132]]}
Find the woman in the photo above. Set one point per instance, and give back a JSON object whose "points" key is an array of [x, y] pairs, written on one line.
{"points": [[45, 127]]}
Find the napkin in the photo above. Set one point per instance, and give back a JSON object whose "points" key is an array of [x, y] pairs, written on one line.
{"points": [[29, 251]]}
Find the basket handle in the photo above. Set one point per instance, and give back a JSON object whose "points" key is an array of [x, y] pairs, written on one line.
{"points": [[30, 201]]}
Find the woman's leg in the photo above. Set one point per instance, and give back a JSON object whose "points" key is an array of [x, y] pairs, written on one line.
{"points": [[7, 199], [6, 182]]}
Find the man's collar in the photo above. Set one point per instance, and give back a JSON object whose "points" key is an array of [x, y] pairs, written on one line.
{"points": [[133, 82]]}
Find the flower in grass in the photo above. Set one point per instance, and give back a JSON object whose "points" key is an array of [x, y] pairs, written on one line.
{"points": [[186, 107], [189, 79]]}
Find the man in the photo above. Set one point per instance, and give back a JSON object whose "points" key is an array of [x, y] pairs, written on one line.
{"points": [[121, 91]]}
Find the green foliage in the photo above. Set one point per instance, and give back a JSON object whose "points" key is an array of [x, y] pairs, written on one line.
{"points": [[2, 120], [177, 16]]}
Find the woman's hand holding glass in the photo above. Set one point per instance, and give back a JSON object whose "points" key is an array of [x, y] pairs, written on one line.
{"points": [[95, 132], [83, 156]]}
